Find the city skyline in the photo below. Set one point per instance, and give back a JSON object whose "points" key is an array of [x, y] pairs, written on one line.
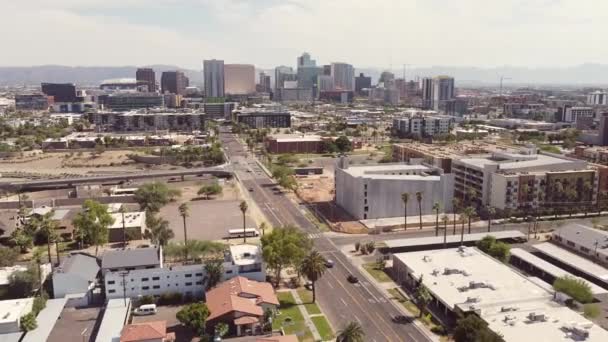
{"points": [[469, 33]]}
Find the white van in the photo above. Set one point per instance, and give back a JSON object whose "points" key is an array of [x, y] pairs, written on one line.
{"points": [[146, 309]]}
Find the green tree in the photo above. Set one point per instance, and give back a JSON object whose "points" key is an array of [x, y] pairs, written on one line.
{"points": [[469, 213], [221, 329], [184, 212], [284, 247], [22, 239], [243, 207], [194, 316], [153, 196], [210, 190], [49, 227], [496, 249], [158, 229], [405, 197], [491, 213], [422, 296], [473, 329], [576, 288], [313, 267], [343, 144], [352, 332], [419, 199], [8, 256], [93, 222], [215, 270], [28, 322], [21, 284], [592, 310]]}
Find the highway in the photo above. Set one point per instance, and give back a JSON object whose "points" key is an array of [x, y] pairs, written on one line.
{"points": [[340, 300]]}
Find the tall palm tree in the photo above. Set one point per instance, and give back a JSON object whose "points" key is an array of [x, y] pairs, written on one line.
{"points": [[49, 226], [37, 259], [436, 209], [445, 220], [243, 206], [122, 212], [419, 199], [184, 212], [405, 197], [463, 217], [455, 205], [470, 213], [263, 227], [491, 213], [313, 267], [423, 298], [352, 332]]}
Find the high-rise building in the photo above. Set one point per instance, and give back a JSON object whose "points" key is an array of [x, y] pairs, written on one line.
{"points": [[344, 76], [61, 92], [282, 74], [305, 61], [307, 76], [597, 98], [214, 78], [174, 82], [427, 93], [264, 84], [148, 76], [443, 90], [327, 70], [386, 76], [325, 83], [362, 82], [239, 79]]}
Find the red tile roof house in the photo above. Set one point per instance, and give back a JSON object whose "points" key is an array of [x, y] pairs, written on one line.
{"points": [[147, 332], [240, 303]]}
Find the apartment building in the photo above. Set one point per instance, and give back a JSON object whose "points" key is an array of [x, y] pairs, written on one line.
{"points": [[141, 121], [421, 125]]}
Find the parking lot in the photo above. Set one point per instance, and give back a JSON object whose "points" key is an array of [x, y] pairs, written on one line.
{"points": [[76, 324], [168, 313], [209, 219]]}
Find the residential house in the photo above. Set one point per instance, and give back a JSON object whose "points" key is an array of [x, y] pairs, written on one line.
{"points": [[11, 312], [77, 274], [155, 331], [240, 303]]}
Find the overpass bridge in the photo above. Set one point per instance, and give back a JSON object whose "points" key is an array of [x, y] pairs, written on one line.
{"points": [[218, 171]]}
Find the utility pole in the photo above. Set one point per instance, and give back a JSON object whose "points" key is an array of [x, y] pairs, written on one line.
{"points": [[124, 274]]}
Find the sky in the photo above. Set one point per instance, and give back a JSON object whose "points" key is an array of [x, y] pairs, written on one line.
{"points": [[267, 33]]}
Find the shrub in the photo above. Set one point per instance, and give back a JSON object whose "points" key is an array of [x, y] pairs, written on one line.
{"points": [[357, 246], [578, 289], [170, 298], [591, 310], [371, 246], [28, 322], [363, 249], [439, 330], [39, 303], [146, 300]]}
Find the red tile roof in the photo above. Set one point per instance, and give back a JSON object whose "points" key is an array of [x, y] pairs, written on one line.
{"points": [[239, 294], [246, 320], [286, 338], [144, 331]]}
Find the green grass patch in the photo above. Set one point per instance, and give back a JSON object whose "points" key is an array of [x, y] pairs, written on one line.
{"points": [[320, 225], [413, 309], [290, 312], [306, 297], [323, 327], [377, 273]]}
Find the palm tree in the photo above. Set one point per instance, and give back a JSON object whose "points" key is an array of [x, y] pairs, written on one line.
{"points": [[215, 270], [122, 211], [263, 228], [463, 217], [352, 332], [491, 212], [455, 205], [470, 213], [37, 259], [184, 212], [49, 226], [436, 208], [405, 197], [419, 199], [313, 267], [445, 220], [422, 297], [243, 206], [159, 230]]}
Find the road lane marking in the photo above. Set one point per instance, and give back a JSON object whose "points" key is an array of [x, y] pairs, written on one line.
{"points": [[343, 301]]}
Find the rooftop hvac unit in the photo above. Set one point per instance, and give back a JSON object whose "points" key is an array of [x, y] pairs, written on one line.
{"points": [[537, 317]]}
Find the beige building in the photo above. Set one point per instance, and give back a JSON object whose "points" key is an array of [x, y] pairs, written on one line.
{"points": [[239, 79]]}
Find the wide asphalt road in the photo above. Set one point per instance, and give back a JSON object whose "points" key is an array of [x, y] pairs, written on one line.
{"points": [[340, 300]]}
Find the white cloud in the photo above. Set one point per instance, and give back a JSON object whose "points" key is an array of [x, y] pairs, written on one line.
{"points": [[272, 32]]}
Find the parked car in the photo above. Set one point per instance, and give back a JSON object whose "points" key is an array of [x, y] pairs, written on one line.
{"points": [[146, 309]]}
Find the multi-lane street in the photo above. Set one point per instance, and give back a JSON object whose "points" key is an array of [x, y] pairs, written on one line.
{"points": [[341, 301]]}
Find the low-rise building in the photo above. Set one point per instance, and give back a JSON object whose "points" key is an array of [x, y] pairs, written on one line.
{"points": [[465, 281], [131, 101], [138, 121], [240, 303], [134, 226], [155, 331], [77, 274], [117, 260], [421, 125], [374, 191], [31, 102], [293, 143], [584, 240], [11, 312]]}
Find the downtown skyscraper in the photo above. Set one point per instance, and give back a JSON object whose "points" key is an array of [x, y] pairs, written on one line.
{"points": [[344, 76], [213, 72]]}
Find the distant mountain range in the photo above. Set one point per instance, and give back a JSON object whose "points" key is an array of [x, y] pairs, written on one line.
{"points": [[581, 75]]}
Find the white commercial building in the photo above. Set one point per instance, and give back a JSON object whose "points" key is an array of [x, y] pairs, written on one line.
{"points": [[518, 308], [11, 312], [189, 280], [597, 98], [572, 114], [374, 191]]}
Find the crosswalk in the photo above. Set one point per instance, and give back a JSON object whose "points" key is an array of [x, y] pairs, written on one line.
{"points": [[315, 235]]}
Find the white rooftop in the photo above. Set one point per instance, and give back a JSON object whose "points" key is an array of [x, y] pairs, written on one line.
{"points": [[433, 240], [11, 310], [573, 260], [473, 281], [390, 171], [134, 219], [114, 318], [5, 273], [245, 254]]}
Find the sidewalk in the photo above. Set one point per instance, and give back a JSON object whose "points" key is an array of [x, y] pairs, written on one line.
{"points": [[309, 323]]}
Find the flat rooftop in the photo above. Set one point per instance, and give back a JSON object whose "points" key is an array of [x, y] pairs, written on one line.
{"points": [[585, 236], [517, 161], [434, 240], [573, 260], [114, 318], [549, 268], [513, 305], [245, 254], [12, 309], [132, 220], [390, 171]]}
